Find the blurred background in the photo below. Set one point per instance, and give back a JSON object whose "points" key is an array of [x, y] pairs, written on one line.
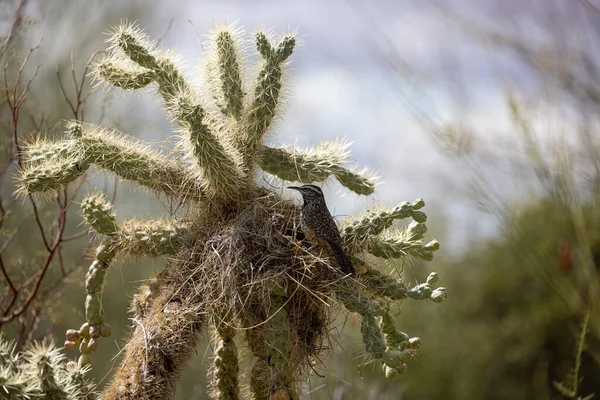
{"points": [[487, 109]]}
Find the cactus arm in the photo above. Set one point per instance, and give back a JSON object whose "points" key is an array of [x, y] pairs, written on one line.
{"points": [[356, 231], [173, 324], [122, 77], [273, 373], [383, 285], [134, 161], [156, 238], [97, 212], [315, 165], [404, 243], [262, 110], [225, 365], [225, 73], [51, 166], [217, 166], [381, 338]]}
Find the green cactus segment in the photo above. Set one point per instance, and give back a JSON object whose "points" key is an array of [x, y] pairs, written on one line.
{"points": [[123, 76], [356, 303], [381, 338], [226, 364], [48, 166], [382, 284], [50, 176], [356, 182], [277, 334], [94, 312], [225, 68], [8, 359], [44, 151], [394, 338], [52, 166], [97, 212], [259, 380], [266, 96], [358, 230], [76, 377], [47, 362], [149, 238], [372, 336], [425, 290], [41, 372], [135, 161], [400, 347], [86, 338], [218, 164], [14, 384], [315, 165], [135, 44], [368, 309], [285, 48], [169, 79], [273, 372], [94, 279], [403, 244], [131, 42]]}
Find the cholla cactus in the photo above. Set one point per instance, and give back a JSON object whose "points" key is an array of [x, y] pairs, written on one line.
{"points": [[239, 259], [41, 372]]}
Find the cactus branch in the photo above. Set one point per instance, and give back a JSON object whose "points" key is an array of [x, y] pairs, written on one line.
{"points": [[135, 161], [357, 230], [149, 238], [384, 285], [163, 340], [86, 337], [97, 212], [225, 70], [404, 243], [266, 97], [225, 375], [382, 340], [315, 165], [123, 77], [219, 169], [54, 165]]}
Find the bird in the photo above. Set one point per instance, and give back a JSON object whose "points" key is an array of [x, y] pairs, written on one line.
{"points": [[319, 227]]}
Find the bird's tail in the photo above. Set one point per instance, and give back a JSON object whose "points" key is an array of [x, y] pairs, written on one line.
{"points": [[341, 259]]}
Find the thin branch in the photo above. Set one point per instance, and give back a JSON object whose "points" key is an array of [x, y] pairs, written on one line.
{"points": [[15, 98], [5, 273], [15, 25]]}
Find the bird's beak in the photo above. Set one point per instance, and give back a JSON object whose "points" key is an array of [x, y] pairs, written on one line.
{"points": [[294, 188]]}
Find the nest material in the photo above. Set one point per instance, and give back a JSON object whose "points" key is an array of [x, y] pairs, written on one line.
{"points": [[258, 271], [248, 262]]}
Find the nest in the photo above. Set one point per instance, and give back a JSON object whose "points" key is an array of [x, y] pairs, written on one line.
{"points": [[251, 268]]}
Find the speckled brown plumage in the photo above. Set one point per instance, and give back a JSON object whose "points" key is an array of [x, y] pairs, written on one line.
{"points": [[319, 227]]}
